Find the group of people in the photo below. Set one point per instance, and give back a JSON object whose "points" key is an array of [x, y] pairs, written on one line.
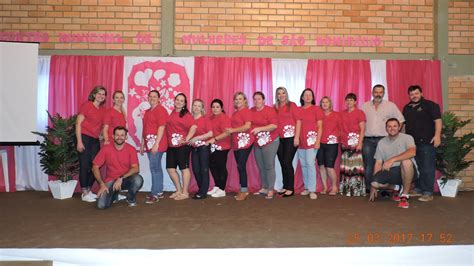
{"points": [[376, 157]]}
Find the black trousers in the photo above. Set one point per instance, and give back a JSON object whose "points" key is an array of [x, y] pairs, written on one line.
{"points": [[218, 167], [241, 157], [200, 165], [92, 147], [286, 153]]}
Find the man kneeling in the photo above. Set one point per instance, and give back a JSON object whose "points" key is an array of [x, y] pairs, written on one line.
{"points": [[121, 162], [394, 164]]}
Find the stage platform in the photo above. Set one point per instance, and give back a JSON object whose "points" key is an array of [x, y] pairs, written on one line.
{"points": [[34, 222]]}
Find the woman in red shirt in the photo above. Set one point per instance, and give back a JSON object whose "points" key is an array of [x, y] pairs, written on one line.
{"points": [[327, 154], [220, 146], [310, 139], [352, 137], [242, 139], [201, 149], [266, 144], [114, 117], [154, 143], [180, 128], [289, 127], [88, 128]]}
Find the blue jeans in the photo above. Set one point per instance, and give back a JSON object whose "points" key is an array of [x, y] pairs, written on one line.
{"points": [[156, 172], [132, 184], [368, 152], [426, 161], [200, 165], [307, 159]]}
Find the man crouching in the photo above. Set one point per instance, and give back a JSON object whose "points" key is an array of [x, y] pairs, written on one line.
{"points": [[394, 164], [121, 162]]}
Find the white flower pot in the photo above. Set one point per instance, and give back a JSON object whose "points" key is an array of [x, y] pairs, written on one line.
{"points": [[450, 188], [62, 190]]}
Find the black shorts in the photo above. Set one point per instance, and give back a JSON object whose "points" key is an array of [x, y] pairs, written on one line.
{"points": [[178, 157], [327, 155], [392, 176]]}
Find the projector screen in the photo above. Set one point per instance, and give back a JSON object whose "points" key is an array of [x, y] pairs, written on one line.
{"points": [[18, 92]]}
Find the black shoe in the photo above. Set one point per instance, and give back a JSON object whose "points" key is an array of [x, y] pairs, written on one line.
{"points": [[197, 197], [384, 194], [288, 195]]}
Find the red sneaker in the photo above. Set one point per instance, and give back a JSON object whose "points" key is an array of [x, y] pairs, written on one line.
{"points": [[396, 195], [403, 202]]}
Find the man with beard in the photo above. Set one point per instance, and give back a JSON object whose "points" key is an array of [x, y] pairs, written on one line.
{"points": [[121, 162], [377, 112], [394, 164], [423, 123]]}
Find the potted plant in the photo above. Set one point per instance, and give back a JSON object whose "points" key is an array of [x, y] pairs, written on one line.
{"points": [[450, 155], [58, 155]]}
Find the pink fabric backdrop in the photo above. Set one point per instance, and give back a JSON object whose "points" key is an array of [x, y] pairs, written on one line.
{"points": [[220, 78], [403, 73], [335, 79], [73, 77]]}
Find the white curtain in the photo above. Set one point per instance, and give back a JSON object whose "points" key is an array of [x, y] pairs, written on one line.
{"points": [[27, 167], [378, 69], [291, 74]]}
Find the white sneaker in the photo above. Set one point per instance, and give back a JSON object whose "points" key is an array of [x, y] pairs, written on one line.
{"points": [[87, 198], [219, 193], [305, 193], [92, 195], [213, 190]]}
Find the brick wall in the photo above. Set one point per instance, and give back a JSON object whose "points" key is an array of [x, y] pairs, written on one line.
{"points": [[83, 24], [461, 27], [403, 26], [461, 102]]}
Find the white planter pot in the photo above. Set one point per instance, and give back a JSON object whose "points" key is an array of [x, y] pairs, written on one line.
{"points": [[62, 190], [450, 188]]}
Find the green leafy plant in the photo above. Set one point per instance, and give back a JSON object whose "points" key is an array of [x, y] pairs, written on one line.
{"points": [[450, 155], [58, 148]]}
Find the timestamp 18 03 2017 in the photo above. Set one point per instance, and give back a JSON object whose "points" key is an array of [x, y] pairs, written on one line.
{"points": [[400, 238]]}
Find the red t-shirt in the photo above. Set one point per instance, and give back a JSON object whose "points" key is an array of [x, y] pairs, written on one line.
{"points": [[309, 127], [152, 120], [287, 117], [219, 123], [93, 117], [350, 128], [203, 126], [331, 132], [241, 140], [117, 162], [261, 118], [177, 128], [113, 119]]}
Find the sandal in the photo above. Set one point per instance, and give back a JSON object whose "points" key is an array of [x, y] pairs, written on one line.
{"points": [[174, 195], [269, 195], [182, 197]]}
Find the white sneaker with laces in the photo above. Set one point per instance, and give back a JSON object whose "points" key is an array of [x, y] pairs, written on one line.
{"points": [[219, 193], [213, 190], [92, 195], [87, 198]]}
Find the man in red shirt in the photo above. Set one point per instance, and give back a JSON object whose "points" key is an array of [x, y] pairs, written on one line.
{"points": [[121, 162]]}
